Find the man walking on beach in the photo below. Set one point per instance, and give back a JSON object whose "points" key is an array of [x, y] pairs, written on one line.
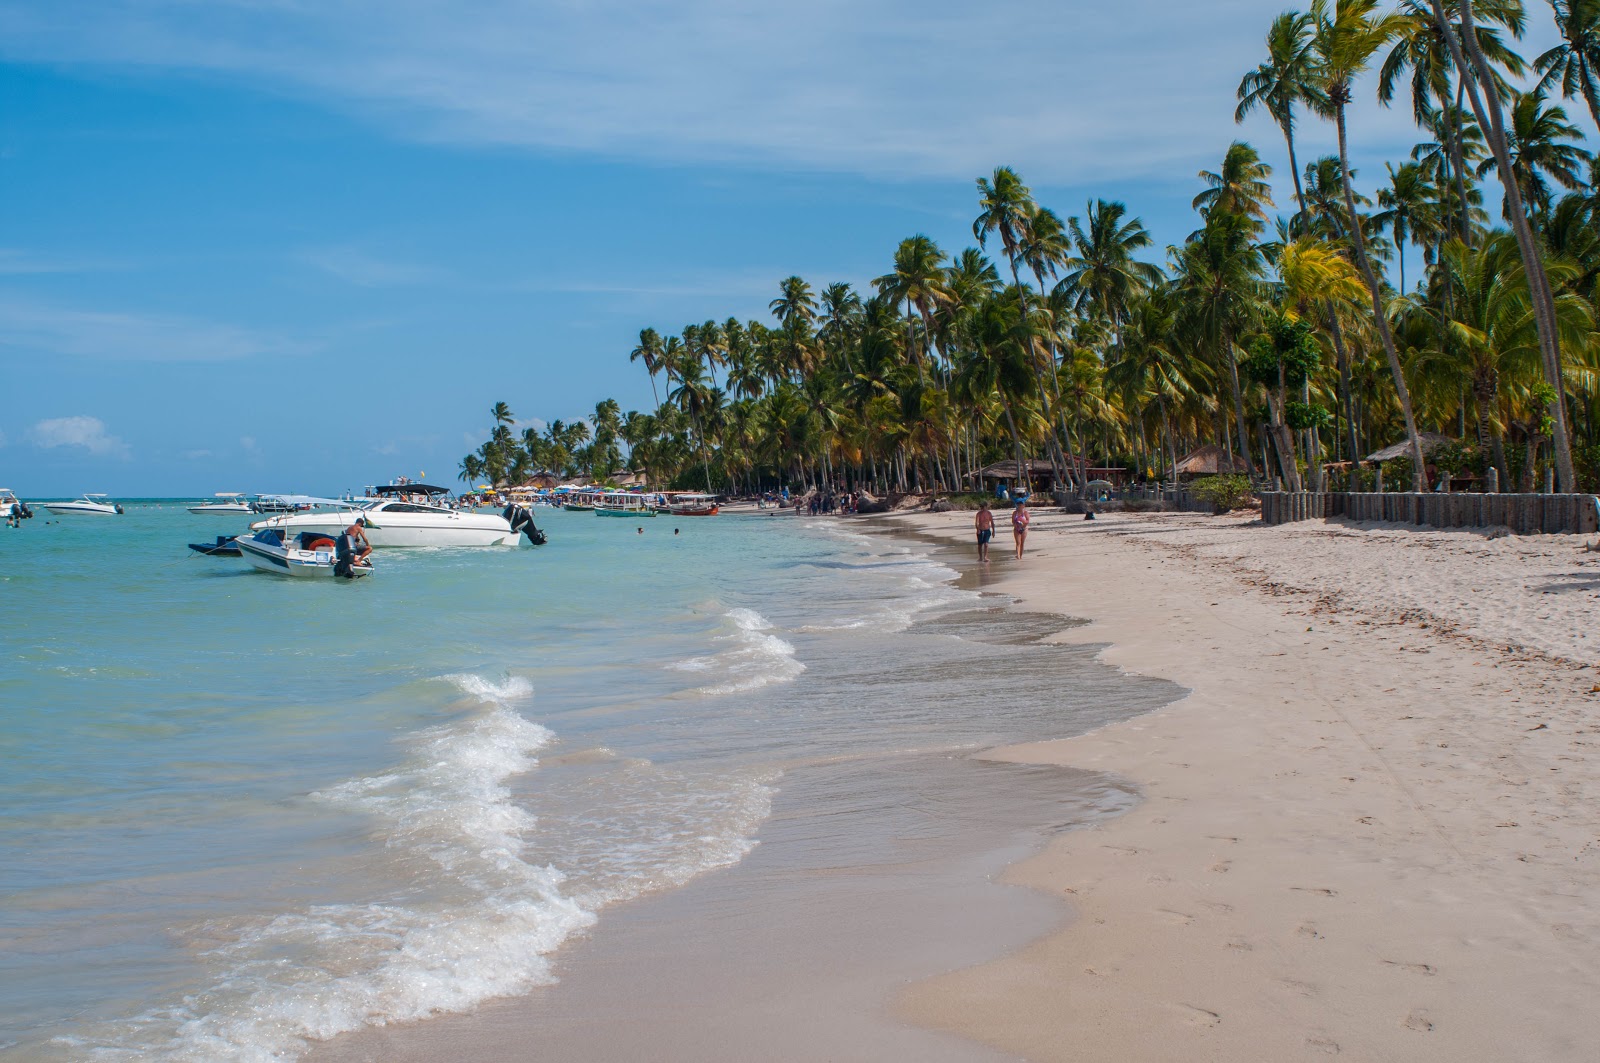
{"points": [[1019, 525], [984, 522]]}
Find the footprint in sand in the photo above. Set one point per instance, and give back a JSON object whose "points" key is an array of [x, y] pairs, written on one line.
{"points": [[1316, 889], [1197, 1016], [1309, 930], [1220, 866], [1302, 989], [1240, 945], [1216, 906], [1414, 968], [1180, 918], [1418, 1020], [1326, 1045]]}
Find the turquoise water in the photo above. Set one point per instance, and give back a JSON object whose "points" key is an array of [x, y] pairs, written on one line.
{"points": [[242, 813]]}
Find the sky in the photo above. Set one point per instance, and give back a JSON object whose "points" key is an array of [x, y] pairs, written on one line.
{"points": [[305, 245]]}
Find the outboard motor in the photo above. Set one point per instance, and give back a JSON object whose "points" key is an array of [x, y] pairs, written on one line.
{"points": [[522, 521], [23, 510], [119, 509]]}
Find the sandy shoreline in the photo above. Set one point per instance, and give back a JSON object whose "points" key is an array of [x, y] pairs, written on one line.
{"points": [[1369, 830]]}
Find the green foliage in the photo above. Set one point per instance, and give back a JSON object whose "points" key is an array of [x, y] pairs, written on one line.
{"points": [[1455, 456], [1223, 492], [1288, 346], [1304, 415]]}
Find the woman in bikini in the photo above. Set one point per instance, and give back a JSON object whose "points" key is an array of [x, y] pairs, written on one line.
{"points": [[1019, 525]]}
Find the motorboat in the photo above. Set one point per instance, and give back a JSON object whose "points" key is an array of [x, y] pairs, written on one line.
{"points": [[623, 504], [223, 547], [687, 504], [305, 554], [226, 502], [13, 507], [89, 503], [400, 515]]}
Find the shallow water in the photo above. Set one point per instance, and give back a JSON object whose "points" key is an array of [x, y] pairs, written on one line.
{"points": [[245, 813]]}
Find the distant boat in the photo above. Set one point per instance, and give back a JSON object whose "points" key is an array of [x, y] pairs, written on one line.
{"points": [[89, 503], [12, 506], [395, 517], [227, 502], [309, 554], [577, 507], [694, 505]]}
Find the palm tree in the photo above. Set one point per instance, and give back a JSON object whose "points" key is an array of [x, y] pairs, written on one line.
{"points": [[1218, 280], [1240, 187], [1007, 208], [1540, 152], [796, 311], [1322, 284], [1410, 209], [1104, 274], [1349, 34], [918, 280], [1288, 77], [502, 414], [1487, 106], [649, 352], [1148, 371], [1574, 62]]}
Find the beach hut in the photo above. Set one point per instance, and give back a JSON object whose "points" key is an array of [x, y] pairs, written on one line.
{"points": [[1431, 441], [1210, 460], [1039, 476]]}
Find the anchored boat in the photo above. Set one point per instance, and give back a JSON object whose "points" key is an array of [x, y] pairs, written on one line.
{"points": [[90, 503], [308, 554]]}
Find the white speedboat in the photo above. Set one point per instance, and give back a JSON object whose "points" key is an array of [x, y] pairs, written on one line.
{"points": [[400, 516], [12, 507], [308, 554], [226, 502], [89, 503]]}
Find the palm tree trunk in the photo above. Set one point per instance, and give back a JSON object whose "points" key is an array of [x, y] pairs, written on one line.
{"points": [[1490, 117], [1294, 171], [1384, 334], [1238, 405], [1044, 401]]}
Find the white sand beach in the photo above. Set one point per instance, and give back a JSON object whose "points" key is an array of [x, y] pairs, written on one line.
{"points": [[1370, 830]]}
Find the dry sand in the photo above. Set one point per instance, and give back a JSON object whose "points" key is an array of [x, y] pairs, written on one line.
{"points": [[1371, 829]]}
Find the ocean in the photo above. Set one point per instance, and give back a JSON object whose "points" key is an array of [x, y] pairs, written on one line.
{"points": [[243, 814]]}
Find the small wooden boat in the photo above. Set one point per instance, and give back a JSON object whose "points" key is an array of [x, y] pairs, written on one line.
{"points": [[577, 507], [309, 554], [694, 505], [223, 547]]}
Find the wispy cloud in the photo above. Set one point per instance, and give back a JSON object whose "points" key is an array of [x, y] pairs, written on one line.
{"points": [[31, 326], [358, 267], [82, 431], [1070, 91], [15, 261]]}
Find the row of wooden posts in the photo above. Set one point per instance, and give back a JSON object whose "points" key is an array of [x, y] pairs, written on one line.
{"points": [[1522, 514]]}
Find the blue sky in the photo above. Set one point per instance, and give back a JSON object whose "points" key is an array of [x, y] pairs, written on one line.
{"points": [[304, 245]]}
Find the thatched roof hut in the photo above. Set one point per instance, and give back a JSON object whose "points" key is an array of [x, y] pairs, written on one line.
{"points": [[1402, 449], [1211, 460]]}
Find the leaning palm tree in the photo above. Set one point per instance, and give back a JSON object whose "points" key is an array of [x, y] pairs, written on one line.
{"points": [[649, 352], [1574, 64], [1287, 78], [1349, 34], [1484, 92]]}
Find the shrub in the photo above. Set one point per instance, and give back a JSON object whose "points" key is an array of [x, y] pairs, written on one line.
{"points": [[1223, 492]]}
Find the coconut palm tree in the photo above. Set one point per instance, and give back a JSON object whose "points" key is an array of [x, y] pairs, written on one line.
{"points": [[1103, 273], [1148, 371], [1484, 92], [1349, 33], [918, 281], [1541, 150], [1410, 209], [648, 351], [1287, 78], [1574, 64], [1239, 187]]}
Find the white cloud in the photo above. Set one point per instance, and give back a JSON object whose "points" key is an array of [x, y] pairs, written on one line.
{"points": [[89, 433], [1071, 91], [249, 444], [37, 326], [357, 267], [195, 455]]}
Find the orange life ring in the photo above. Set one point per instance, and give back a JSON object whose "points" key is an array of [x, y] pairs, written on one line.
{"points": [[322, 544]]}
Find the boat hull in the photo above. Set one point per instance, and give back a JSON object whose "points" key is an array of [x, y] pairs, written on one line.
{"points": [[299, 564], [604, 511], [695, 511], [227, 508], [388, 530], [91, 508]]}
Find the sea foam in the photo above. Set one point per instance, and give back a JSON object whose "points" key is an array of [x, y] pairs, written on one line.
{"points": [[755, 657]]}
